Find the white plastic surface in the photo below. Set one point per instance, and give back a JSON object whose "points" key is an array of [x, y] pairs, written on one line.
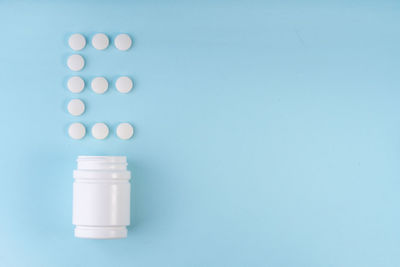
{"points": [[124, 84], [98, 232], [76, 84], [100, 41], [100, 130], [123, 42], [76, 130], [76, 62], [99, 85], [76, 107], [77, 41], [124, 131], [101, 197]]}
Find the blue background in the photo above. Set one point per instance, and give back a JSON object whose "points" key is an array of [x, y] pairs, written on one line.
{"points": [[266, 133]]}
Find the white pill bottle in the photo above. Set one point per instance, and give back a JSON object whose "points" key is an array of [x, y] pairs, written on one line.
{"points": [[101, 197]]}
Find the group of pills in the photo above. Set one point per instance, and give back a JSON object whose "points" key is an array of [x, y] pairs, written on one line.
{"points": [[75, 84]]}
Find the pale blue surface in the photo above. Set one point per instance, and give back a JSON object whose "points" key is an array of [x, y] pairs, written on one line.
{"points": [[267, 134]]}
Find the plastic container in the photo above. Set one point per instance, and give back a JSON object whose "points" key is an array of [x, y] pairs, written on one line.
{"points": [[101, 197]]}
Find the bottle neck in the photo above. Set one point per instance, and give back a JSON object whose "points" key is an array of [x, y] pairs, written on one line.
{"points": [[102, 163]]}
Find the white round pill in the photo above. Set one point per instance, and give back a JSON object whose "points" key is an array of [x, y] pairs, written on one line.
{"points": [[76, 107], [124, 84], [100, 130], [76, 84], [100, 41], [99, 85], [77, 41], [123, 42], [124, 131], [76, 130], [76, 62]]}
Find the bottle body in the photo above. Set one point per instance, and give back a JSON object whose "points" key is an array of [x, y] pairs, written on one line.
{"points": [[101, 197]]}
